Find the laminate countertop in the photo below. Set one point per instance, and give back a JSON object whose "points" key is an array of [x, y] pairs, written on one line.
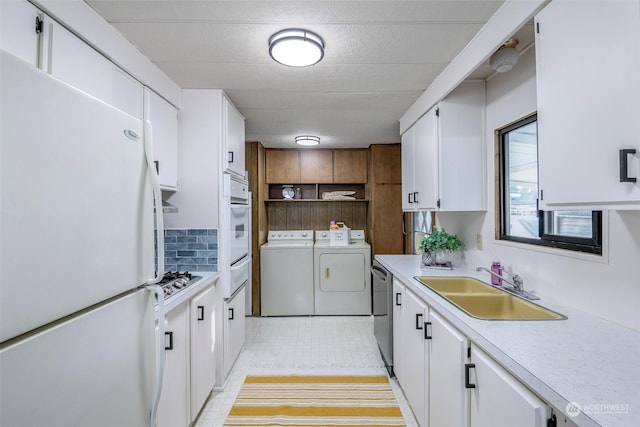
{"points": [[582, 359]]}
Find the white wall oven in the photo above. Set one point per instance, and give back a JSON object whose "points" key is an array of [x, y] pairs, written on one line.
{"points": [[238, 241]]}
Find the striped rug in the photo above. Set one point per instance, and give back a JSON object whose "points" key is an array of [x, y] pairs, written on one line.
{"points": [[315, 400]]}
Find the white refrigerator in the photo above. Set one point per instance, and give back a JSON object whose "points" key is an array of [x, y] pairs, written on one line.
{"points": [[78, 332]]}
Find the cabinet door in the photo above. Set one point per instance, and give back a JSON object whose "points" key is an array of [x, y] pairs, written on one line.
{"points": [[426, 162], [498, 399], [447, 355], [17, 30], [350, 166], [461, 155], [235, 138], [316, 166], [588, 105], [127, 93], [234, 329], [78, 64], [282, 166], [415, 315], [398, 331], [203, 375], [173, 409], [408, 156], [164, 120]]}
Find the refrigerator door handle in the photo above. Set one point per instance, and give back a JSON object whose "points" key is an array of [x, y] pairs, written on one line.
{"points": [[160, 334], [157, 200]]}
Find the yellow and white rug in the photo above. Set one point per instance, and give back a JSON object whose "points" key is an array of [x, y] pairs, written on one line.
{"points": [[315, 400]]}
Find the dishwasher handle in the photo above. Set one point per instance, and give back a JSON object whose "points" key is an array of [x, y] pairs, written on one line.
{"points": [[380, 273]]}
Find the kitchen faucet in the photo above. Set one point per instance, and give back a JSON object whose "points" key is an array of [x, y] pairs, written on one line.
{"points": [[516, 284]]}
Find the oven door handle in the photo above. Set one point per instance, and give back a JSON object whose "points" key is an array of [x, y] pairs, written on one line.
{"points": [[240, 264]]}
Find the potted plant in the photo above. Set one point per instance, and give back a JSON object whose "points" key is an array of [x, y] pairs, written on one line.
{"points": [[440, 244]]}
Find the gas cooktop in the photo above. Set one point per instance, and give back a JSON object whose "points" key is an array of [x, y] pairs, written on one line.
{"points": [[174, 282]]}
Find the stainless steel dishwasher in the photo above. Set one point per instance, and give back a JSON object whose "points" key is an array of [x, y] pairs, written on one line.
{"points": [[382, 286]]}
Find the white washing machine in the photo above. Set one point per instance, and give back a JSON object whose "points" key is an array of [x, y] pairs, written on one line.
{"points": [[286, 273], [342, 277]]}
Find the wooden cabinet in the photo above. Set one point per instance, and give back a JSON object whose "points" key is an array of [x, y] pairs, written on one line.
{"points": [[282, 166], [588, 105], [164, 121], [233, 138], [17, 30], [312, 166], [316, 166], [203, 375], [498, 399], [350, 166], [173, 409], [384, 191], [234, 329], [443, 154]]}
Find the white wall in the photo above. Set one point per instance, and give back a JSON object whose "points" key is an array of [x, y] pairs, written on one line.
{"points": [[607, 286]]}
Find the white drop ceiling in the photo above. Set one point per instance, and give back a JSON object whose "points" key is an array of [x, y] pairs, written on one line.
{"points": [[379, 58]]}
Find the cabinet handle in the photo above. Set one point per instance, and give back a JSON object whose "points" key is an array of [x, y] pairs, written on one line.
{"points": [[419, 321], [170, 335], [467, 367], [624, 165], [409, 197], [427, 336], [416, 199], [326, 273], [398, 302], [230, 156], [200, 312], [157, 163], [231, 314]]}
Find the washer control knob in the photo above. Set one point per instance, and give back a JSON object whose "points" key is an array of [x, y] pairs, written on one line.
{"points": [[304, 234]]}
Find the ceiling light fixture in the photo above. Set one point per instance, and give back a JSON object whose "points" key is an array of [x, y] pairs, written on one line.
{"points": [[296, 47], [307, 140], [505, 57]]}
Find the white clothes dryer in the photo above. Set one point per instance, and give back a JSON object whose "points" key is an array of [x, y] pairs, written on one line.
{"points": [[342, 277], [286, 273]]}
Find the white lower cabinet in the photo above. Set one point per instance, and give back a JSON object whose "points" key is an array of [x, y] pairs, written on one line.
{"points": [[173, 409], [398, 331], [234, 329], [497, 399], [189, 370], [450, 382], [416, 359], [448, 400], [203, 372]]}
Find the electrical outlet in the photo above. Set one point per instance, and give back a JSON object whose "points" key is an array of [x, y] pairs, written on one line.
{"points": [[479, 241]]}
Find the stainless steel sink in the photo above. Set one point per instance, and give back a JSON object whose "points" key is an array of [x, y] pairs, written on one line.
{"points": [[483, 301]]}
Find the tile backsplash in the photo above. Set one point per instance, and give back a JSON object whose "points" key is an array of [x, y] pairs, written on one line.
{"points": [[191, 249]]}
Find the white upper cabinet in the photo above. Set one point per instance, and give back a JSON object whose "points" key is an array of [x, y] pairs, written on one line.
{"points": [[589, 104], [233, 138], [443, 154], [18, 34], [73, 61], [164, 121]]}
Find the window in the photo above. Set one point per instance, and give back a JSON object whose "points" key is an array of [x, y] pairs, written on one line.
{"points": [[520, 219]]}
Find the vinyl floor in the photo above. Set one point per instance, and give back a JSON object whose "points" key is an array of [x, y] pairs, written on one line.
{"points": [[304, 345]]}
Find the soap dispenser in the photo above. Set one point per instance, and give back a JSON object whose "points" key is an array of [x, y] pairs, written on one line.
{"points": [[497, 269]]}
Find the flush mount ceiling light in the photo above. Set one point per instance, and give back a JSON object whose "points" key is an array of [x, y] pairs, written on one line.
{"points": [[296, 47], [307, 140], [505, 57]]}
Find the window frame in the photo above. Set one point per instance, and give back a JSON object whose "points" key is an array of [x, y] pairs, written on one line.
{"points": [[591, 245]]}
